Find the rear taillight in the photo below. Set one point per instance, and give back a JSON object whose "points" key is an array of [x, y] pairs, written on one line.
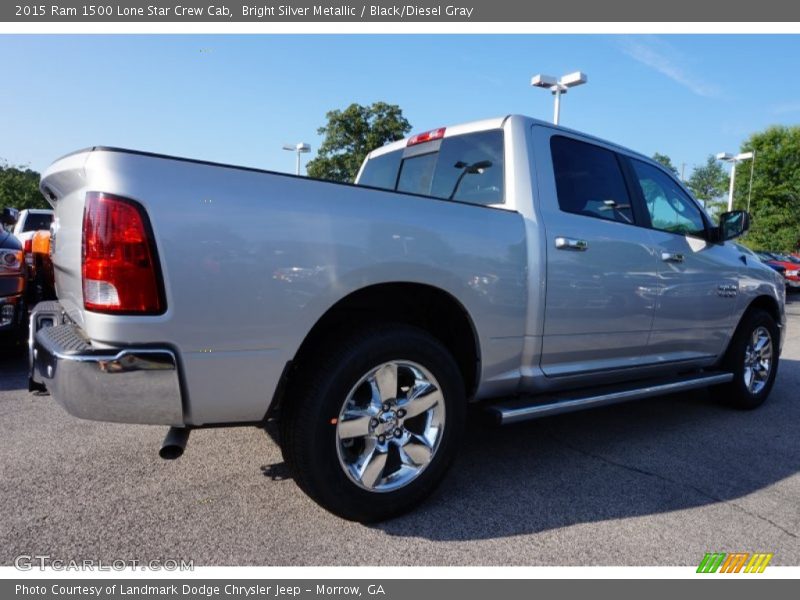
{"points": [[120, 266], [40, 244], [27, 247]]}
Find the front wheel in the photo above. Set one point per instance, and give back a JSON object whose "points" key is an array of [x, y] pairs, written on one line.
{"points": [[753, 359], [374, 425]]}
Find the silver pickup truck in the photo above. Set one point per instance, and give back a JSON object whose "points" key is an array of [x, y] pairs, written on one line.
{"points": [[529, 268]]}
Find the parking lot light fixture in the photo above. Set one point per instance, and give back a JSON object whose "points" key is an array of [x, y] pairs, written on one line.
{"points": [[300, 148], [558, 87], [733, 159]]}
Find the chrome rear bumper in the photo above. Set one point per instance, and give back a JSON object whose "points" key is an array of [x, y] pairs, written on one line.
{"points": [[128, 385]]}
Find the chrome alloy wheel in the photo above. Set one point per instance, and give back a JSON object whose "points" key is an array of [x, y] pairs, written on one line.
{"points": [[758, 360], [390, 426]]}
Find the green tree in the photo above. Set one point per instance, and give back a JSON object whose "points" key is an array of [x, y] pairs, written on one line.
{"points": [[19, 187], [665, 161], [708, 183], [775, 201], [351, 134]]}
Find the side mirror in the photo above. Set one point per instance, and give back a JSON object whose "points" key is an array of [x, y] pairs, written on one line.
{"points": [[732, 225], [9, 216]]}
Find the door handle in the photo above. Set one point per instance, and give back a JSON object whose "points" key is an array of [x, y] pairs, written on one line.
{"points": [[676, 257], [565, 243]]}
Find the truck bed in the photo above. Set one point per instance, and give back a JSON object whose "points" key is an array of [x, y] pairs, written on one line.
{"points": [[252, 259]]}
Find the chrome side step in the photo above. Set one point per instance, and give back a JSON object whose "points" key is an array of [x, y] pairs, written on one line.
{"points": [[535, 407]]}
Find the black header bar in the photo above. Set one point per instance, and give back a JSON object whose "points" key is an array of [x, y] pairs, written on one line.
{"points": [[266, 11]]}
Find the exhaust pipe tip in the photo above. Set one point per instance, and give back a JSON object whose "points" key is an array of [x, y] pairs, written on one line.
{"points": [[174, 443], [170, 452]]}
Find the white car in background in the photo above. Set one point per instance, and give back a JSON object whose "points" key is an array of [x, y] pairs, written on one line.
{"points": [[28, 223]]}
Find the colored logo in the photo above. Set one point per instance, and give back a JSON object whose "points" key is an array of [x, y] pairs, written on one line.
{"points": [[736, 562]]}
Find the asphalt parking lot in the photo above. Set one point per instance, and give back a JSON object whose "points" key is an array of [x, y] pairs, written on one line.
{"points": [[658, 482]]}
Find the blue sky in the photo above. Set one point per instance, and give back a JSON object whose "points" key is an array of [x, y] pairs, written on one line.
{"points": [[239, 98]]}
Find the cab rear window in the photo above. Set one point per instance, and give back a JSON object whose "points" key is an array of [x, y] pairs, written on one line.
{"points": [[467, 168]]}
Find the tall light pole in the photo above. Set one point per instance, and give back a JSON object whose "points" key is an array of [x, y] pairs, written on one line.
{"points": [[558, 87], [750, 187], [300, 148], [733, 159]]}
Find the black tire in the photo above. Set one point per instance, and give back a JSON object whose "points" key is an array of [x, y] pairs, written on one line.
{"points": [[737, 393], [310, 439]]}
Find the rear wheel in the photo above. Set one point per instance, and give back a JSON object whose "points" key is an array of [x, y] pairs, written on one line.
{"points": [[374, 425], [753, 359]]}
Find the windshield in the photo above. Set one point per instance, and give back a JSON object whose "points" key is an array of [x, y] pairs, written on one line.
{"points": [[35, 222]]}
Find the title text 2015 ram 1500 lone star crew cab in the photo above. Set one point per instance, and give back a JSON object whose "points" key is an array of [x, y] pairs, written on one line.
{"points": [[505, 258]]}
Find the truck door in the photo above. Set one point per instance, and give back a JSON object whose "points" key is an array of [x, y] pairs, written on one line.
{"points": [[601, 280], [698, 281]]}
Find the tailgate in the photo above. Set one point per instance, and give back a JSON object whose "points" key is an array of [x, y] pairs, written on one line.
{"points": [[64, 185]]}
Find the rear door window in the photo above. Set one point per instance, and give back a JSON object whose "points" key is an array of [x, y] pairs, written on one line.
{"points": [[467, 168], [589, 181]]}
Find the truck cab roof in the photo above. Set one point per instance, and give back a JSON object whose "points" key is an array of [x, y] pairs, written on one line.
{"points": [[497, 123]]}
